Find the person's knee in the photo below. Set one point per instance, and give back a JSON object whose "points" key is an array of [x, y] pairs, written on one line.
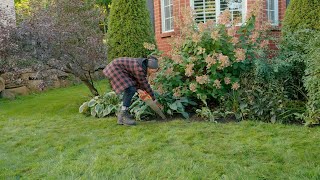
{"points": [[131, 90]]}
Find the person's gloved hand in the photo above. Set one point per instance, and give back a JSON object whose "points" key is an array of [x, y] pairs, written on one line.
{"points": [[140, 91], [143, 95]]}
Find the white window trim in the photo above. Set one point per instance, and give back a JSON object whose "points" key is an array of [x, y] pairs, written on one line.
{"points": [[163, 25], [218, 12], [244, 11], [276, 12]]}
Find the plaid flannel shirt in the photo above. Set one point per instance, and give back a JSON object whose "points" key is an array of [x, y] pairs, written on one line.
{"points": [[125, 72]]}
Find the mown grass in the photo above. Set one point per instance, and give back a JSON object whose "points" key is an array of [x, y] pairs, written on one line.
{"points": [[44, 137]]}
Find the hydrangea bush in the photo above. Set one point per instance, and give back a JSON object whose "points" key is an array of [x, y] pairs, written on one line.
{"points": [[207, 59]]}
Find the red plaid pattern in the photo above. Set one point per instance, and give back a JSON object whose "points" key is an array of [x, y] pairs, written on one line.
{"points": [[125, 72]]}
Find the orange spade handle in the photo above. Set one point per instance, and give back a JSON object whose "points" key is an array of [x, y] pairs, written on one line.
{"points": [[144, 95]]}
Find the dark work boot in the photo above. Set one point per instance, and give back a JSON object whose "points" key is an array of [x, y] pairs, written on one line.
{"points": [[124, 118]]}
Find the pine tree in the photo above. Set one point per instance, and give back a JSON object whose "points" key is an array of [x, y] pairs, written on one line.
{"points": [[302, 14], [129, 27]]}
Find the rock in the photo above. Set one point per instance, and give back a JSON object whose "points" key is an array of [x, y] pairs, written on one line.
{"points": [[65, 83], [19, 91], [15, 83], [26, 70], [12, 80], [54, 74], [7, 94], [56, 84], [29, 76], [2, 84], [8, 75], [35, 85]]}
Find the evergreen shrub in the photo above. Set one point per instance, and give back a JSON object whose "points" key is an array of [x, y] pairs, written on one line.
{"points": [[302, 14], [129, 27], [312, 82]]}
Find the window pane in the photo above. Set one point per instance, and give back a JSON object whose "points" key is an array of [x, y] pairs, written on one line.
{"points": [[271, 5], [272, 10], [171, 23], [167, 12], [235, 6], [167, 25], [272, 17], [236, 14], [206, 9], [223, 5], [166, 2]]}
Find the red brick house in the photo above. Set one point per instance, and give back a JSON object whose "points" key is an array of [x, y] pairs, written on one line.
{"points": [[165, 10]]}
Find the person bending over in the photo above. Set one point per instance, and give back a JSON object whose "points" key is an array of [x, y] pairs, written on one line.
{"points": [[129, 75]]}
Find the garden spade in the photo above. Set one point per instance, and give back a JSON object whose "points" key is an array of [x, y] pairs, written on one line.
{"points": [[144, 96]]}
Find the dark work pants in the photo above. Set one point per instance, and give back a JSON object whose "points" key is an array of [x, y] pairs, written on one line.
{"points": [[128, 94]]}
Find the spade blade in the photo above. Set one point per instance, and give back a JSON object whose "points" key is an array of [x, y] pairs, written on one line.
{"points": [[155, 107]]}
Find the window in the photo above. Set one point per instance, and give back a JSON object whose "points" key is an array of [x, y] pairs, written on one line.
{"points": [[211, 9], [204, 10], [167, 15], [272, 12]]}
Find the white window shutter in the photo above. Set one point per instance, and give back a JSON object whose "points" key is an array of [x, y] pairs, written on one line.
{"points": [[211, 9], [204, 10]]}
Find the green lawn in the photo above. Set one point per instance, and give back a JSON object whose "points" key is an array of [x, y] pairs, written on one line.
{"points": [[43, 136]]}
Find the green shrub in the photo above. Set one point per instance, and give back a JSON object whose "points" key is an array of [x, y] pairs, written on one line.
{"points": [[289, 65], [302, 14], [140, 109], [301, 27], [263, 102], [171, 106], [312, 82], [129, 27], [301, 20], [206, 62], [101, 106]]}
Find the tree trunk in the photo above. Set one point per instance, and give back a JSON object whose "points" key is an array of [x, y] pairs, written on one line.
{"points": [[91, 87]]}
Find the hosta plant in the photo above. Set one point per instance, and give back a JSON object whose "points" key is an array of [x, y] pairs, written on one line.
{"points": [[173, 105], [140, 109], [101, 106], [170, 106], [214, 116]]}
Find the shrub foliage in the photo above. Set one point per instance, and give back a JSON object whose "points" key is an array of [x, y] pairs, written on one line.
{"points": [[63, 35], [312, 82], [206, 62], [101, 106], [129, 27], [300, 49], [302, 14]]}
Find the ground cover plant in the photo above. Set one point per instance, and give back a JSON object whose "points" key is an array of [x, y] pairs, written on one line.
{"points": [[43, 136]]}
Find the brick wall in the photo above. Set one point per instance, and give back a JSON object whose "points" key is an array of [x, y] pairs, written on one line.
{"points": [[163, 38]]}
